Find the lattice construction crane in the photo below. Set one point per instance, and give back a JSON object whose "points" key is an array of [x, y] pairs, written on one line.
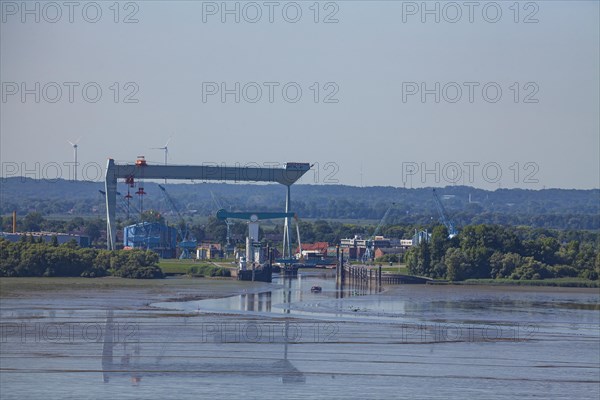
{"points": [[187, 243], [444, 216]]}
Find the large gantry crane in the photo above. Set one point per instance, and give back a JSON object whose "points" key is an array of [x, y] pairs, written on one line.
{"points": [[287, 175]]}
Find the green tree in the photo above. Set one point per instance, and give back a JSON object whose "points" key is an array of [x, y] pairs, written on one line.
{"points": [[439, 243], [197, 231], [323, 231], [33, 222], [306, 232], [503, 265], [74, 224], [544, 249], [93, 229], [72, 244], [458, 264], [410, 259], [586, 256], [532, 269], [216, 230], [424, 261]]}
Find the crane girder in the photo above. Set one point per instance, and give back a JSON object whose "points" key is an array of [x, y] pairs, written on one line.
{"points": [[224, 214]]}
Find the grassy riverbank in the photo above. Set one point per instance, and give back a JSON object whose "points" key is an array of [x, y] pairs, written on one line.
{"points": [[191, 267]]}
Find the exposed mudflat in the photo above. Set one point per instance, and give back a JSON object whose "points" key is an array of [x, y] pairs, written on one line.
{"points": [[202, 338]]}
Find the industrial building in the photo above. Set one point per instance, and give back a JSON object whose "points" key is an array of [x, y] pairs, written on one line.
{"points": [[151, 236], [406, 243], [318, 250], [380, 252], [357, 246]]}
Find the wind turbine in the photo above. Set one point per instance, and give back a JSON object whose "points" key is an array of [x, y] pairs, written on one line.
{"points": [[166, 149], [74, 145]]}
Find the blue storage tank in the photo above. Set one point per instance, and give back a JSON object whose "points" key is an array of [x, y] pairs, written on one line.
{"points": [[151, 236]]}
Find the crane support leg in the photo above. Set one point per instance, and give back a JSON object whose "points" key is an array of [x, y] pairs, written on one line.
{"points": [[287, 245], [110, 187]]}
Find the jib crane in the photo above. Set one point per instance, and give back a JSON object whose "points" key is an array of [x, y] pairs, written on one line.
{"points": [[186, 243], [253, 219], [444, 216]]}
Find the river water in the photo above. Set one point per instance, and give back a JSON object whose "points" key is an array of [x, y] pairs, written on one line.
{"points": [[281, 340]]}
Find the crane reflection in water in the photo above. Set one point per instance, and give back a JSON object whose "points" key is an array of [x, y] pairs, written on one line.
{"points": [[123, 358]]}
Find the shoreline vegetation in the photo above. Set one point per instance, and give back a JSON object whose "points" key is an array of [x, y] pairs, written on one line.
{"points": [[31, 257], [478, 255], [497, 254]]}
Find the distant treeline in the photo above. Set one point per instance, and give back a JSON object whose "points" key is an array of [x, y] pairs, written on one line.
{"points": [[497, 252], [29, 257], [551, 208], [317, 231]]}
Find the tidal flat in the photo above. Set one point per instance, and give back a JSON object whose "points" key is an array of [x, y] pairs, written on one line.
{"points": [[220, 338]]}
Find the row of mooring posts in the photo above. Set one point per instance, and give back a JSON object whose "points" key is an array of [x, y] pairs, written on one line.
{"points": [[356, 275], [360, 274]]}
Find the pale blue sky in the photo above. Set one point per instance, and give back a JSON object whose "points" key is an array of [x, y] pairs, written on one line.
{"points": [[368, 55]]}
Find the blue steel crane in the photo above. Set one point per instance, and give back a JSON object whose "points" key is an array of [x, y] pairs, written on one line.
{"points": [[444, 216], [254, 217], [187, 243]]}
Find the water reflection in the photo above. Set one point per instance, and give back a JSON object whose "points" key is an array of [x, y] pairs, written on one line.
{"points": [[121, 357], [502, 342], [348, 288], [294, 289], [128, 363], [294, 295], [400, 304], [260, 302]]}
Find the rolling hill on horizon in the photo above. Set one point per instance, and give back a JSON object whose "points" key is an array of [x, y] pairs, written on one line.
{"points": [[559, 208]]}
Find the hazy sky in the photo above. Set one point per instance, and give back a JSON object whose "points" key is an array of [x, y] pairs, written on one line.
{"points": [[386, 90]]}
